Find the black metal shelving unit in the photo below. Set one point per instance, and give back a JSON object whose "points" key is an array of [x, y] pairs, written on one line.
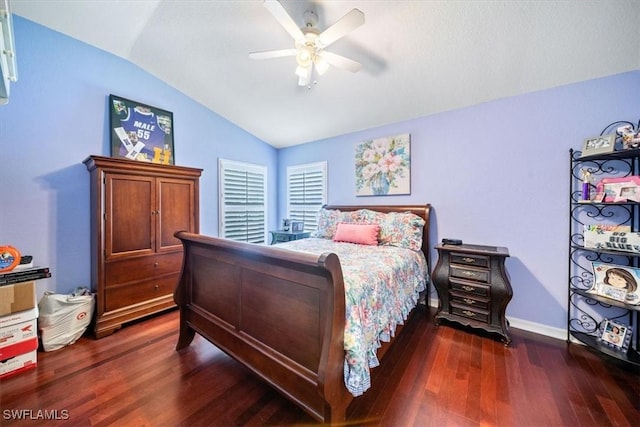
{"points": [[587, 311]]}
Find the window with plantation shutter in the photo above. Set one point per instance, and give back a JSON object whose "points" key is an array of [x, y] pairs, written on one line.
{"points": [[306, 193], [243, 209]]}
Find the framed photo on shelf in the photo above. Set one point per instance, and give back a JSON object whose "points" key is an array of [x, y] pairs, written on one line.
{"points": [[602, 144], [615, 335], [140, 132], [617, 282], [622, 189]]}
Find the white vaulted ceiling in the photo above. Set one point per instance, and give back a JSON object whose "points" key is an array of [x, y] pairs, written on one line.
{"points": [[418, 57]]}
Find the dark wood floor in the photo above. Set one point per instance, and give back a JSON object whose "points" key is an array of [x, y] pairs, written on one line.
{"points": [[438, 376]]}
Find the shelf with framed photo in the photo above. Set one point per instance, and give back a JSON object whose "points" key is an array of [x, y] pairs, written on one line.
{"points": [[604, 249]]}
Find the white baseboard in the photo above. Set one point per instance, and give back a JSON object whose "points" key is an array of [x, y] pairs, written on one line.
{"points": [[526, 325]]}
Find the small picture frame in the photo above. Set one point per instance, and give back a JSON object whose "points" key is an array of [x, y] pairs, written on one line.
{"points": [[297, 226], [615, 335], [602, 144], [620, 189]]}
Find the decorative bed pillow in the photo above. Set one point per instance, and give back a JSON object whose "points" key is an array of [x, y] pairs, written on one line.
{"points": [[363, 234], [402, 229], [328, 220]]}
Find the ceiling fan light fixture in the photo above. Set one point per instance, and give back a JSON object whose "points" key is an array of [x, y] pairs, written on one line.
{"points": [[305, 56], [304, 75], [322, 66], [302, 71]]}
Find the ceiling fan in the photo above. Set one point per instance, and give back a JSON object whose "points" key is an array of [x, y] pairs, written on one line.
{"points": [[310, 43]]}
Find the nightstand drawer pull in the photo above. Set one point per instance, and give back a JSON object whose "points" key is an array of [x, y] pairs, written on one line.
{"points": [[469, 260], [469, 301], [469, 313], [469, 288]]}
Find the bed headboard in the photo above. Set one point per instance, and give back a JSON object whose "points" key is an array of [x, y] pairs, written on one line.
{"points": [[423, 211]]}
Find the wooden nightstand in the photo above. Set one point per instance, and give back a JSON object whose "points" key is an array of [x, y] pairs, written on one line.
{"points": [[473, 287], [279, 236]]}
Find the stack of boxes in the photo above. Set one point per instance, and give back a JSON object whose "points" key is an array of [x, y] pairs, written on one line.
{"points": [[18, 329]]}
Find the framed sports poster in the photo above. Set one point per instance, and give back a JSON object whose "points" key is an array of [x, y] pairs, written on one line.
{"points": [[140, 132]]}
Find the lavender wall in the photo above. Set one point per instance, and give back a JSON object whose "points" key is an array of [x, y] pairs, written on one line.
{"points": [[57, 116], [496, 174]]}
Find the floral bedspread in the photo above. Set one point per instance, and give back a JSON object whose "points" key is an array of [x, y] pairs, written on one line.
{"points": [[381, 288]]}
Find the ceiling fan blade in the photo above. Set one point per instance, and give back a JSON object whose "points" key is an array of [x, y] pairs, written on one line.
{"points": [[267, 54], [339, 61], [344, 25], [284, 19]]}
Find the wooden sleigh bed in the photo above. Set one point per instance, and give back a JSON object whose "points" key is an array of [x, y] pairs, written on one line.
{"points": [[242, 298]]}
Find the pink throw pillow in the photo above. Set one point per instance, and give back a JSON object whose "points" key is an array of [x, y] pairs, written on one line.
{"points": [[363, 234]]}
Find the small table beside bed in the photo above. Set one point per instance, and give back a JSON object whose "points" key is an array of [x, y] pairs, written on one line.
{"points": [[310, 316]]}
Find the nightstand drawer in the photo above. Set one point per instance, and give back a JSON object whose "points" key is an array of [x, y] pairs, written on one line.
{"points": [[470, 274], [471, 288], [470, 300], [470, 313], [470, 259]]}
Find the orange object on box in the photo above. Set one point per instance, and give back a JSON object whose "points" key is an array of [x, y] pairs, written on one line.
{"points": [[9, 258]]}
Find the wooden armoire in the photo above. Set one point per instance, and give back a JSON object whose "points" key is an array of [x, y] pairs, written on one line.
{"points": [[136, 261]]}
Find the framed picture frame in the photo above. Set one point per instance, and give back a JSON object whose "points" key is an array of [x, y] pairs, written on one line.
{"points": [[615, 335], [383, 166], [619, 190], [140, 132], [602, 144], [616, 282]]}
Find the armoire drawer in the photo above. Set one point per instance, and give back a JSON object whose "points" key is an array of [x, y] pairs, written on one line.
{"points": [[135, 269], [122, 296]]}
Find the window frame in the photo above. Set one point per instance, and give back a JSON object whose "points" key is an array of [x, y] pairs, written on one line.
{"points": [[309, 209], [223, 207]]}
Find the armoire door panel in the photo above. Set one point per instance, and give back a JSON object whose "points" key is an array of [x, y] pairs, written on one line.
{"points": [[130, 203], [175, 212]]}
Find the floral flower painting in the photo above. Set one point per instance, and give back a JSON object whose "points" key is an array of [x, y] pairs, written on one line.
{"points": [[383, 166]]}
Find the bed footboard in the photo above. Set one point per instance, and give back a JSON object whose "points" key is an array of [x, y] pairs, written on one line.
{"points": [[280, 313]]}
